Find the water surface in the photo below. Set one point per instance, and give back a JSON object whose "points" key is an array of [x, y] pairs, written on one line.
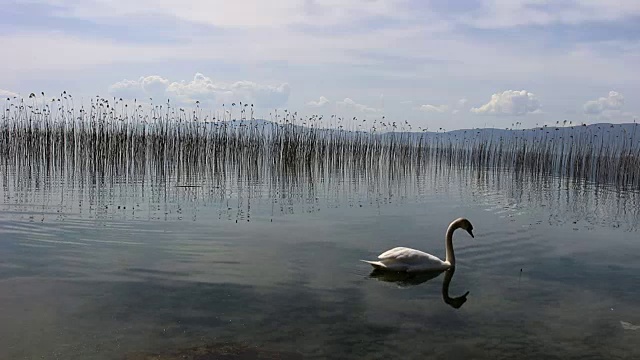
{"points": [[127, 267]]}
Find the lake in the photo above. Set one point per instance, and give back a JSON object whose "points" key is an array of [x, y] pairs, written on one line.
{"points": [[129, 268]]}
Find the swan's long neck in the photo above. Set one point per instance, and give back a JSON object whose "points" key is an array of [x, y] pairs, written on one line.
{"points": [[450, 257]]}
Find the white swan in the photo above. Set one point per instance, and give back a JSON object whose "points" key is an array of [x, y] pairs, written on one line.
{"points": [[412, 260]]}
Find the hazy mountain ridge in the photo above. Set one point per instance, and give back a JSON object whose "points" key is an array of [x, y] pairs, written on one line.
{"points": [[599, 133]]}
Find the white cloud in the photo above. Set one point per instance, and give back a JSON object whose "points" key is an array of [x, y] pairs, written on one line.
{"points": [[259, 14], [202, 89], [510, 102], [234, 14], [608, 109], [7, 94], [434, 108], [613, 101], [320, 103], [154, 85], [128, 89], [495, 14], [347, 103]]}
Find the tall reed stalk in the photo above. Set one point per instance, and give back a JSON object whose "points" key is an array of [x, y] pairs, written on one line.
{"points": [[112, 141]]}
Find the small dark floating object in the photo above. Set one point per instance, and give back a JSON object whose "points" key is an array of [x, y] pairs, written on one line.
{"points": [[226, 351]]}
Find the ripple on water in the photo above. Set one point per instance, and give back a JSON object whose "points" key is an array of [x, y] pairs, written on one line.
{"points": [[157, 270]]}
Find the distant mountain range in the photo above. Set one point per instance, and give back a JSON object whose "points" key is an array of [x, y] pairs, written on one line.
{"points": [[599, 133], [616, 135], [592, 129]]}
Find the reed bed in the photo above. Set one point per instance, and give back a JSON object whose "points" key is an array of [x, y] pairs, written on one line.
{"points": [[112, 141]]}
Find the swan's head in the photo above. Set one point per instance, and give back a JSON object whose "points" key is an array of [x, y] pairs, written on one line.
{"points": [[466, 225]]}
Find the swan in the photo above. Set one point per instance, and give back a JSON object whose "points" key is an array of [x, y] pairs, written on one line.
{"points": [[411, 260]]}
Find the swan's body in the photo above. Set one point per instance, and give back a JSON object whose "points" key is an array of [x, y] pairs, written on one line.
{"points": [[406, 259], [409, 260]]}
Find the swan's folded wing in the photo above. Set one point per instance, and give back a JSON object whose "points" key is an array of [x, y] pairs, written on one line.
{"points": [[408, 256]]}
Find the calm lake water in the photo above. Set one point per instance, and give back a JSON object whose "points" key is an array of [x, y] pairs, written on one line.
{"points": [[125, 269]]}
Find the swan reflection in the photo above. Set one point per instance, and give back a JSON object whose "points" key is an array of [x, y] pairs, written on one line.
{"points": [[405, 279]]}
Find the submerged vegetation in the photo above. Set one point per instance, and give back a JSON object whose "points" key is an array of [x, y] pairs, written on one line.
{"points": [[114, 141]]}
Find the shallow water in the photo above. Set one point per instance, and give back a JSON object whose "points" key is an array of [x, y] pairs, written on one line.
{"points": [[115, 269]]}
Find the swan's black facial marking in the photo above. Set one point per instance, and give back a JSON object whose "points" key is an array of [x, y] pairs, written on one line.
{"points": [[467, 226]]}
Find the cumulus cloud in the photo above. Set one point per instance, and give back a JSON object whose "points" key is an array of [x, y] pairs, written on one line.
{"points": [[202, 89], [352, 105], [510, 102], [614, 101], [128, 89], [319, 103], [155, 86], [7, 94], [434, 108]]}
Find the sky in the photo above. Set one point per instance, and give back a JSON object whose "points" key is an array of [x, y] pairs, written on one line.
{"points": [[430, 63]]}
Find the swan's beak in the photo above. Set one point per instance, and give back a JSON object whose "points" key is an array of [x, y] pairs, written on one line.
{"points": [[470, 232]]}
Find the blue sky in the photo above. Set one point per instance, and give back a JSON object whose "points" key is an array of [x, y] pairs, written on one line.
{"points": [[433, 64]]}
